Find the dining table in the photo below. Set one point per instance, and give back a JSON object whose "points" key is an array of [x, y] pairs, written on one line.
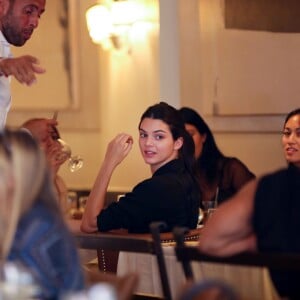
{"points": [[251, 283]]}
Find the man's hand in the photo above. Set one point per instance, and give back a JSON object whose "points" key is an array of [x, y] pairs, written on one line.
{"points": [[23, 68]]}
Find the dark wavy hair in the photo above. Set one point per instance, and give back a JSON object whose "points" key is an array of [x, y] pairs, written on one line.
{"points": [[171, 116], [291, 114], [210, 156]]}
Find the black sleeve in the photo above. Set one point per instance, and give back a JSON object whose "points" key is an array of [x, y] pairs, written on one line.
{"points": [[136, 209], [160, 198]]}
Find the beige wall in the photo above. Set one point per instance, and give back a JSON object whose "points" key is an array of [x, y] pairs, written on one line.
{"points": [[128, 83], [253, 139]]}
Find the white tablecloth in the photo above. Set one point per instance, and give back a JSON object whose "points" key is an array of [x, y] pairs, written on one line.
{"points": [[251, 283]]}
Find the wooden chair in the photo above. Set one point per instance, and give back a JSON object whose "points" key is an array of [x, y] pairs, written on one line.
{"points": [[121, 241], [160, 238], [186, 254]]}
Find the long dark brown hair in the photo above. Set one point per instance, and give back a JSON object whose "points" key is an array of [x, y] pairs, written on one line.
{"points": [[171, 116], [211, 155]]}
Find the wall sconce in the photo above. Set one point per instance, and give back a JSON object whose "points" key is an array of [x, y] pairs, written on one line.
{"points": [[111, 24]]}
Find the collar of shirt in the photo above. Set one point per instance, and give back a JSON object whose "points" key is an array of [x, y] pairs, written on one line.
{"points": [[173, 166], [4, 47]]}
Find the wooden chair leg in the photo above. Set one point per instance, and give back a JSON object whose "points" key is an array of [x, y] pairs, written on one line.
{"points": [[107, 260]]}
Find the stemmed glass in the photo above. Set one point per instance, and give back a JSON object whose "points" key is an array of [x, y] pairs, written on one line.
{"points": [[75, 162], [210, 206]]}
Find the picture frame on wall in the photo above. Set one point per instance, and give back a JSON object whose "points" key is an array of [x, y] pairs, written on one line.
{"points": [[254, 71]]}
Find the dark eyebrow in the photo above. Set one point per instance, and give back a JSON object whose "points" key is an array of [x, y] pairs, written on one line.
{"points": [[159, 131], [289, 128], [35, 7], [155, 131]]}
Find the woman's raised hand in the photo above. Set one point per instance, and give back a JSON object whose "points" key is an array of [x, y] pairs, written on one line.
{"points": [[119, 148]]}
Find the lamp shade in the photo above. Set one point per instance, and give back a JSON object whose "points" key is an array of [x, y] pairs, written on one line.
{"points": [[99, 23], [115, 23]]}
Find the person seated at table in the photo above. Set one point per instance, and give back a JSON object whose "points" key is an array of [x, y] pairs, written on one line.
{"points": [[171, 195], [264, 215], [47, 134], [220, 176], [56, 158], [35, 235]]}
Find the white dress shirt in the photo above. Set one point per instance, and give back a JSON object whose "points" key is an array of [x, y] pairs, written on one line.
{"points": [[5, 94]]}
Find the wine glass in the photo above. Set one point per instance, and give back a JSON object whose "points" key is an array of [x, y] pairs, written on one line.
{"points": [[209, 207], [75, 162], [200, 218]]}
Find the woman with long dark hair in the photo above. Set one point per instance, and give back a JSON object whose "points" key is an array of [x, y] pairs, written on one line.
{"points": [[220, 176], [170, 195], [264, 215]]}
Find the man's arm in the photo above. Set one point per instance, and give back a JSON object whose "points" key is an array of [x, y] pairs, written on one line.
{"points": [[23, 68], [229, 230]]}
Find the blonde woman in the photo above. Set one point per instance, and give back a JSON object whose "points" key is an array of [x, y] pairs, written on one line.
{"points": [[33, 231]]}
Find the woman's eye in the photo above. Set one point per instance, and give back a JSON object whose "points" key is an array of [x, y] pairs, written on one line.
{"points": [[142, 135], [289, 133], [159, 137]]}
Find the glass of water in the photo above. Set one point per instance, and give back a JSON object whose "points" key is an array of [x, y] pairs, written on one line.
{"points": [[209, 207]]}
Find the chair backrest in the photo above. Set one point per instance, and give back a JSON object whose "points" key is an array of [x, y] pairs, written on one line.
{"points": [[128, 243], [160, 238], [186, 254]]}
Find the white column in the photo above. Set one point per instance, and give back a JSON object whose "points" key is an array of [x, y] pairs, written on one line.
{"points": [[169, 52]]}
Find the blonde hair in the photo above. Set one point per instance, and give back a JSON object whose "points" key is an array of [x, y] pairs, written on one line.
{"points": [[24, 180]]}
